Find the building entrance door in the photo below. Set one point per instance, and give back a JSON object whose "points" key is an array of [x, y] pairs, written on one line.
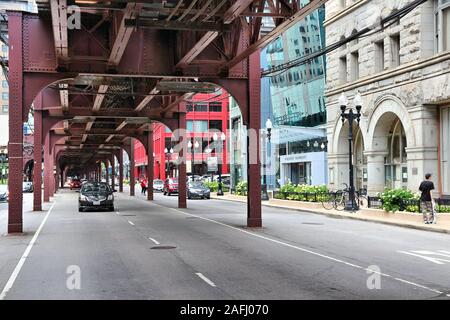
{"points": [[300, 173]]}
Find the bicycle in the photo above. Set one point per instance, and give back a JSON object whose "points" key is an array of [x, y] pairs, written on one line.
{"points": [[337, 200]]}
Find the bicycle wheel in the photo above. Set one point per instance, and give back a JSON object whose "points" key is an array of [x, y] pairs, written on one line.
{"points": [[341, 198], [328, 201]]}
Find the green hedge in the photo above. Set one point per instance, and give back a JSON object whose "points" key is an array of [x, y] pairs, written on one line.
{"points": [[214, 186], [394, 199], [242, 188], [301, 192]]}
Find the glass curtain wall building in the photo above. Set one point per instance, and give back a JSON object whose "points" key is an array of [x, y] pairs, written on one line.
{"points": [[298, 103]]}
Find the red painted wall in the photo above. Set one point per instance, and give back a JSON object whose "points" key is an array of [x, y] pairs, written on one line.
{"points": [[160, 135]]}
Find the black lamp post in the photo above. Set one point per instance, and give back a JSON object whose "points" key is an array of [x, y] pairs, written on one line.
{"points": [[265, 195], [193, 146], [350, 116], [219, 163]]}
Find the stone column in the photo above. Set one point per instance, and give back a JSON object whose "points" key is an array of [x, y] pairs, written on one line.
{"points": [[375, 171]]}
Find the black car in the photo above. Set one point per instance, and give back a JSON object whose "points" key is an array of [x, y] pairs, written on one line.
{"points": [[196, 189], [95, 195]]}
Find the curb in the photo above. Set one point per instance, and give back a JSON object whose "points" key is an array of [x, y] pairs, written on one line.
{"points": [[338, 216]]}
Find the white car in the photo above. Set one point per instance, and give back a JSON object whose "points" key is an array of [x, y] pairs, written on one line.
{"points": [[4, 193]]}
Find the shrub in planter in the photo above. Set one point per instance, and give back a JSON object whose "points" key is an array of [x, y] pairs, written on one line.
{"points": [[242, 188], [301, 192], [392, 198]]}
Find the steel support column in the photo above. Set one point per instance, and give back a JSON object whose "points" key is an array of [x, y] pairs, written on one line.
{"points": [[107, 171], [37, 153], [47, 169], [113, 173], [120, 170], [15, 145], [182, 141], [254, 218], [150, 161], [131, 156]]}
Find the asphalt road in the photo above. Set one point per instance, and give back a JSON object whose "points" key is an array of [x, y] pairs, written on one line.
{"points": [[156, 251]]}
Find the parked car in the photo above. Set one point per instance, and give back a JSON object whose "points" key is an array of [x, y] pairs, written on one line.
{"points": [[27, 187], [158, 185], [95, 195], [75, 184], [170, 186], [197, 189], [4, 193]]}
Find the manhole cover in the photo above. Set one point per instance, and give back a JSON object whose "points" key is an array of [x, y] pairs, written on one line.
{"points": [[163, 247], [313, 224]]}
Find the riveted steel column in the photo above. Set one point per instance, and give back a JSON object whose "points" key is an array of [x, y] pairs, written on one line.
{"points": [[150, 161], [120, 171], [15, 146], [107, 171], [37, 153], [131, 156], [113, 173], [254, 218], [182, 203], [47, 169]]}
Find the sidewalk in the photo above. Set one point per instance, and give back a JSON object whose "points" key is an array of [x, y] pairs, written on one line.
{"points": [[402, 219]]}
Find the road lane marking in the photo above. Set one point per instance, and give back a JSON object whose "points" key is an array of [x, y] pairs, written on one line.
{"points": [[201, 276], [304, 250], [424, 254], [156, 242], [117, 212], [130, 222], [24, 257]]}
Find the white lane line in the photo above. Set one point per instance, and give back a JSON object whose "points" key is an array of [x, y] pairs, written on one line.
{"points": [[304, 250], [201, 276], [156, 242], [24, 257], [130, 222]]}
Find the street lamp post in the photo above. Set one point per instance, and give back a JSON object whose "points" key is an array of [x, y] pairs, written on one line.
{"points": [[265, 196], [350, 116], [219, 163], [193, 146]]}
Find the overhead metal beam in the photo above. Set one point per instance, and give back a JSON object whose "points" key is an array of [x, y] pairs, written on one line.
{"points": [[99, 97], [123, 34], [230, 15], [175, 25], [264, 41]]}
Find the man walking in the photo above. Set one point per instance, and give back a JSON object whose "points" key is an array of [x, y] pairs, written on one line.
{"points": [[426, 200]]}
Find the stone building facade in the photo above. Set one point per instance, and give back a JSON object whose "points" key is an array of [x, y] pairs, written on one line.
{"points": [[403, 76]]}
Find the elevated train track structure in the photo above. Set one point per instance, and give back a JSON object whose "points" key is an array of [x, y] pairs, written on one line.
{"points": [[100, 73]]}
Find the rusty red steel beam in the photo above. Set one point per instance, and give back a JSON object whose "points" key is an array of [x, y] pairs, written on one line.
{"points": [[230, 15], [272, 35]]}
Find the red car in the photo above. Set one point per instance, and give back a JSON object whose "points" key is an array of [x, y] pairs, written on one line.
{"points": [[75, 184], [170, 186]]}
